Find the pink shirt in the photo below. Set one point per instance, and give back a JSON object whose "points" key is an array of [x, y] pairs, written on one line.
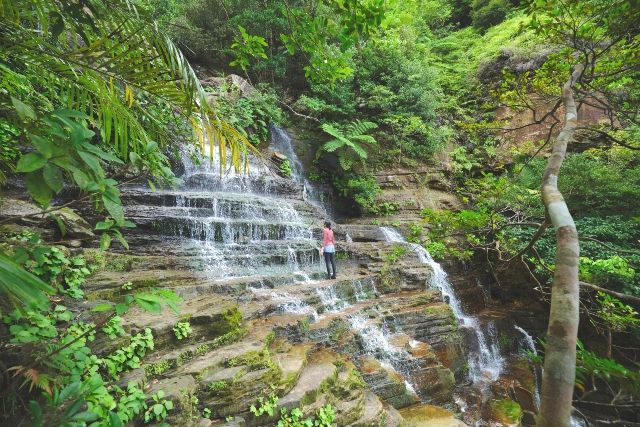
{"points": [[327, 237]]}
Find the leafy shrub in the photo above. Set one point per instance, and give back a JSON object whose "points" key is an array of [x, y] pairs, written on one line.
{"points": [[363, 189], [486, 13], [158, 409], [54, 266], [606, 271], [182, 330]]}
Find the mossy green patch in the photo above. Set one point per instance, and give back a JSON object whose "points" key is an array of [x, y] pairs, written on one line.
{"points": [[505, 411]]}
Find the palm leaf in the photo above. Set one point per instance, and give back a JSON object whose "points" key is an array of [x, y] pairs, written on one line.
{"points": [[22, 285], [120, 58]]}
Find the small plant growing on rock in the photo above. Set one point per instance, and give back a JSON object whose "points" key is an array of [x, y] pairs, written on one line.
{"points": [[206, 413], [159, 410], [113, 328], [267, 406], [217, 385], [285, 168], [182, 330]]}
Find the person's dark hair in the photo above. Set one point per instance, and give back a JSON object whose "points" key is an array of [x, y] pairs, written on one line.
{"points": [[327, 224]]}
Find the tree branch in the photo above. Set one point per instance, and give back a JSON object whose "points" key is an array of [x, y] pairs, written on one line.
{"points": [[620, 296]]}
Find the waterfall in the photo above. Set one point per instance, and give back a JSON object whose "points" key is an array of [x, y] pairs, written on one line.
{"points": [[376, 343], [281, 142], [330, 299], [530, 344], [486, 363], [229, 226]]}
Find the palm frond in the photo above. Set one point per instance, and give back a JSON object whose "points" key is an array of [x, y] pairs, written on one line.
{"points": [[22, 285], [106, 60]]}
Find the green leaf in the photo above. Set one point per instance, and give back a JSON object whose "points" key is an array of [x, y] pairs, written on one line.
{"points": [[36, 414], [53, 176], [38, 189], [24, 111], [121, 308], [104, 225], [122, 240], [81, 179], [86, 416], [71, 114], [105, 241], [70, 390], [60, 223], [114, 207], [105, 306], [42, 145], [91, 161], [114, 420], [30, 162], [148, 302]]}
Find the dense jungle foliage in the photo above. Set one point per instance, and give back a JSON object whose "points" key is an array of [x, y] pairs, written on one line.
{"points": [[95, 94]]}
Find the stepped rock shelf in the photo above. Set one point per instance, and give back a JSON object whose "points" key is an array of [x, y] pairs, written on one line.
{"points": [[379, 343]]}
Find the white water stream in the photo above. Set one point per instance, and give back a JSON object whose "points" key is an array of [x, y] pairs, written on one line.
{"points": [[486, 362], [281, 142], [530, 344]]}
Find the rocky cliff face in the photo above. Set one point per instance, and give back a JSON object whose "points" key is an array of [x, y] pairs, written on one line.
{"points": [[242, 252]]}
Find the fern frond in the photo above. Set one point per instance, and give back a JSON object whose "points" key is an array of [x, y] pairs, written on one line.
{"points": [[359, 127], [345, 162], [361, 152], [332, 130], [367, 139], [333, 145]]}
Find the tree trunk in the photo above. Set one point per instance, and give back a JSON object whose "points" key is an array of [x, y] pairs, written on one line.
{"points": [[560, 352]]}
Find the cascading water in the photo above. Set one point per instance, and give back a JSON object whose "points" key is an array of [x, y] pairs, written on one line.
{"points": [[330, 299], [376, 341], [530, 345], [486, 363], [281, 142], [231, 225]]}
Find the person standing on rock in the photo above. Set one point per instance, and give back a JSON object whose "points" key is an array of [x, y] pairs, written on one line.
{"points": [[329, 250]]}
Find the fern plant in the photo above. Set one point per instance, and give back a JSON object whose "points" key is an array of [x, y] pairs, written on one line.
{"points": [[347, 142]]}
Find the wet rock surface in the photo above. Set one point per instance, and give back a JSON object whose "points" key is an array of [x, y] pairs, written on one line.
{"points": [[242, 252]]}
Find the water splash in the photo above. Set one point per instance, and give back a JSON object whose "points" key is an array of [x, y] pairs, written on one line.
{"points": [[293, 304], [330, 300], [364, 291], [486, 363], [376, 341]]}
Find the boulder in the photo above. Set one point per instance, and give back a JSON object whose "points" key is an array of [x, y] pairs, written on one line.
{"points": [[74, 224]]}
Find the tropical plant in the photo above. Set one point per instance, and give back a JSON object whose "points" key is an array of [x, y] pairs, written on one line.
{"points": [[182, 330], [245, 47], [347, 140], [108, 60]]}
